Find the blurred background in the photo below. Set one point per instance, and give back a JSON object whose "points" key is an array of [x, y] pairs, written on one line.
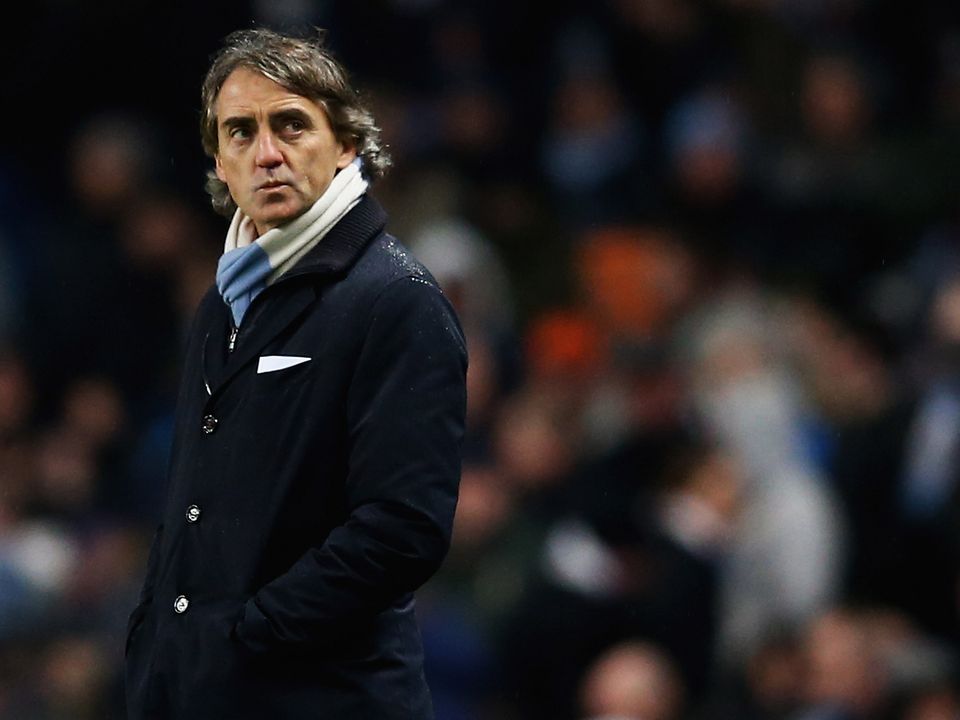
{"points": [[707, 256]]}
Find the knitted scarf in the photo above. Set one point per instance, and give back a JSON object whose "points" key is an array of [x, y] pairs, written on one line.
{"points": [[250, 263]]}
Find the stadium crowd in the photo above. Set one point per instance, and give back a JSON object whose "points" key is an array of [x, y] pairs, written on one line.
{"points": [[707, 257]]}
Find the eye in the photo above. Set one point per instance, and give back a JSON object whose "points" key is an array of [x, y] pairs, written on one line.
{"points": [[239, 133], [294, 125]]}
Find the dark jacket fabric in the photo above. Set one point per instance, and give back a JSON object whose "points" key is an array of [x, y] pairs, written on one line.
{"points": [[306, 504]]}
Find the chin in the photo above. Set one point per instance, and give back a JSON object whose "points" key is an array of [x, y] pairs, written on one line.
{"points": [[279, 216]]}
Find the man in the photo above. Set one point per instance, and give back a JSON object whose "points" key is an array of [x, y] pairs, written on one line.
{"points": [[315, 461]]}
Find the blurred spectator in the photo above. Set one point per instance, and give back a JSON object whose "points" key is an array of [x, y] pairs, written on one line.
{"points": [[75, 674], [472, 127], [632, 681], [899, 476], [775, 675], [109, 318], [37, 559], [634, 283], [592, 149], [706, 136], [112, 158], [938, 702], [844, 368], [659, 48], [829, 182], [708, 179], [634, 280], [846, 677], [787, 558]]}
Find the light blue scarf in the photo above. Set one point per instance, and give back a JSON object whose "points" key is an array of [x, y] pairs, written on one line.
{"points": [[250, 263]]}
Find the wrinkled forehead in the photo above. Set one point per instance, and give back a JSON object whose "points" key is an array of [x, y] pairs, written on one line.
{"points": [[246, 90]]}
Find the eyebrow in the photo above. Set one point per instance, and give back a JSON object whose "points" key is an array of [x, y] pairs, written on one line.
{"points": [[278, 116], [236, 121]]}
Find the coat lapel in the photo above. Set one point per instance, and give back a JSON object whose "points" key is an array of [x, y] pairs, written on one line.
{"points": [[213, 353], [273, 315], [280, 305]]}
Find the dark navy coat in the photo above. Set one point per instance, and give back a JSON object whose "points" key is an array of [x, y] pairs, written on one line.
{"points": [[306, 503]]}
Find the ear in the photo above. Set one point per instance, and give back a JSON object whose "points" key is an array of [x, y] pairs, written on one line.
{"points": [[348, 153], [219, 169]]}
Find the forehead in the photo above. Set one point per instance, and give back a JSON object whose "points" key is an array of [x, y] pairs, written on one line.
{"points": [[247, 92]]}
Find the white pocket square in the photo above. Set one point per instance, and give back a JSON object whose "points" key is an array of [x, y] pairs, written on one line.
{"points": [[272, 363]]}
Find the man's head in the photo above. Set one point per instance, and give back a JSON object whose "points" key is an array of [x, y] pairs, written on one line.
{"points": [[280, 119]]}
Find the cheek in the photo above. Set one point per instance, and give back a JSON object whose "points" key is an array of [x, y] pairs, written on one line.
{"points": [[319, 175], [229, 173]]}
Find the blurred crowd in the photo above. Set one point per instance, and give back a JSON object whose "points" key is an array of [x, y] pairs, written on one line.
{"points": [[707, 257]]}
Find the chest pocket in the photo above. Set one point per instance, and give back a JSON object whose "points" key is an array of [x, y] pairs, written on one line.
{"points": [[275, 378], [277, 363]]}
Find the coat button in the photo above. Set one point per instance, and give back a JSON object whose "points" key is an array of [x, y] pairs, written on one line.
{"points": [[209, 424], [193, 513], [181, 604]]}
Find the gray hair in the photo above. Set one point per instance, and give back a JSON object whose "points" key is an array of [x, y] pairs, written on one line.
{"points": [[303, 66]]}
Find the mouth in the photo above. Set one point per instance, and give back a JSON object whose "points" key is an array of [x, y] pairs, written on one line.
{"points": [[272, 185]]}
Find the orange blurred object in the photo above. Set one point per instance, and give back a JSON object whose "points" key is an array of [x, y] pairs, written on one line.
{"points": [[564, 344], [632, 278]]}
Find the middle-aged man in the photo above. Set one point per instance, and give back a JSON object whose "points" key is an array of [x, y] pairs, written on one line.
{"points": [[316, 455]]}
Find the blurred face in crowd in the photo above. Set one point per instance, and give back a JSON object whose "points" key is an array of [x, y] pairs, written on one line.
{"points": [[277, 151]]}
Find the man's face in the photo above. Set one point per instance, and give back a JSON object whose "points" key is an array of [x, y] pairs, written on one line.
{"points": [[277, 152]]}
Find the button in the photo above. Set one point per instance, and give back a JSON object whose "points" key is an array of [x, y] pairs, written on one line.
{"points": [[181, 604], [209, 424], [193, 513]]}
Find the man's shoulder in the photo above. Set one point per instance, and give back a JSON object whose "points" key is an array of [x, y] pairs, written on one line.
{"points": [[389, 281], [386, 260]]}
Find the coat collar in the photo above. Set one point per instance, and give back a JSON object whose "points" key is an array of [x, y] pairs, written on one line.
{"points": [[273, 311], [344, 242]]}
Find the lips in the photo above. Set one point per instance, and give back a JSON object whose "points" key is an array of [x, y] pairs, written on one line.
{"points": [[272, 185]]}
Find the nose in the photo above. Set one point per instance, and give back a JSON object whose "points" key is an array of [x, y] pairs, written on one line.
{"points": [[268, 152]]}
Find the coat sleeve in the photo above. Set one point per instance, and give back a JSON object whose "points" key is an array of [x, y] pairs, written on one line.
{"points": [[405, 414]]}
